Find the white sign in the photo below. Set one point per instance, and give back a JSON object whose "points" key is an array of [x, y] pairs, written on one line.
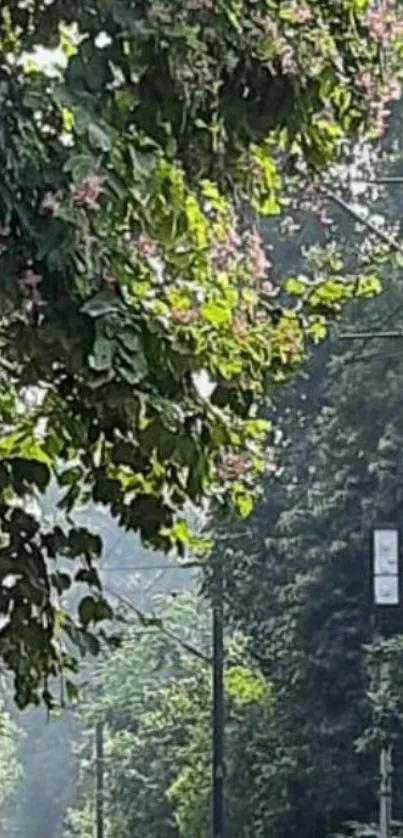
{"points": [[386, 590], [386, 553]]}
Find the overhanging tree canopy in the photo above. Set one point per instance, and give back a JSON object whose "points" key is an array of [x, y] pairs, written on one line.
{"points": [[129, 275]]}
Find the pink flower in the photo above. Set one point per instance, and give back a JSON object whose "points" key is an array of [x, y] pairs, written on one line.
{"points": [[381, 24], [376, 96], [184, 317], [377, 21], [225, 249], [396, 27], [146, 246], [302, 13], [267, 25], [392, 91], [259, 261], [287, 58], [231, 466], [380, 114], [87, 193], [238, 326], [365, 82]]}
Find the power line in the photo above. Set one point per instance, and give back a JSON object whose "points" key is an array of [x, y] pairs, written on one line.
{"points": [[148, 567], [157, 623], [373, 228], [369, 335]]}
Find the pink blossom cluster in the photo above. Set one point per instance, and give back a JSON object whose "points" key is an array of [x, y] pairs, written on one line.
{"points": [[87, 193], [238, 326], [377, 95], [301, 12], [146, 246], [231, 466], [184, 317], [225, 250], [267, 25], [287, 57], [382, 24], [285, 51], [260, 265], [228, 250], [259, 262]]}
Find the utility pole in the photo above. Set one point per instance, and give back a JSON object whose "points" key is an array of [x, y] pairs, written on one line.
{"points": [[218, 813], [387, 599], [99, 780], [385, 792]]}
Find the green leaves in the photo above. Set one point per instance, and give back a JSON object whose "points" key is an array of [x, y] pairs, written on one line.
{"points": [[80, 166], [98, 138], [102, 304], [102, 356], [295, 287], [216, 314], [94, 610], [118, 345]]}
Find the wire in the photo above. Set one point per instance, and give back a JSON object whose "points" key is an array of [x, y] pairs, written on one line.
{"points": [[157, 623], [147, 567], [383, 335], [337, 199]]}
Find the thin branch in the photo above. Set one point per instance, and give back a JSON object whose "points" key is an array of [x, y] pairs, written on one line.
{"points": [[392, 242], [150, 567]]}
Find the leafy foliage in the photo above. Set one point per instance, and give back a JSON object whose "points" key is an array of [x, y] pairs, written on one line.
{"points": [[129, 273]]}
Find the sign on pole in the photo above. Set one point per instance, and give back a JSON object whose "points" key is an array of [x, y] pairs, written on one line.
{"points": [[386, 566]]}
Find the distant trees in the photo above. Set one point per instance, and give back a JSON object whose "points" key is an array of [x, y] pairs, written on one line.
{"points": [[10, 770], [155, 699], [298, 583]]}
